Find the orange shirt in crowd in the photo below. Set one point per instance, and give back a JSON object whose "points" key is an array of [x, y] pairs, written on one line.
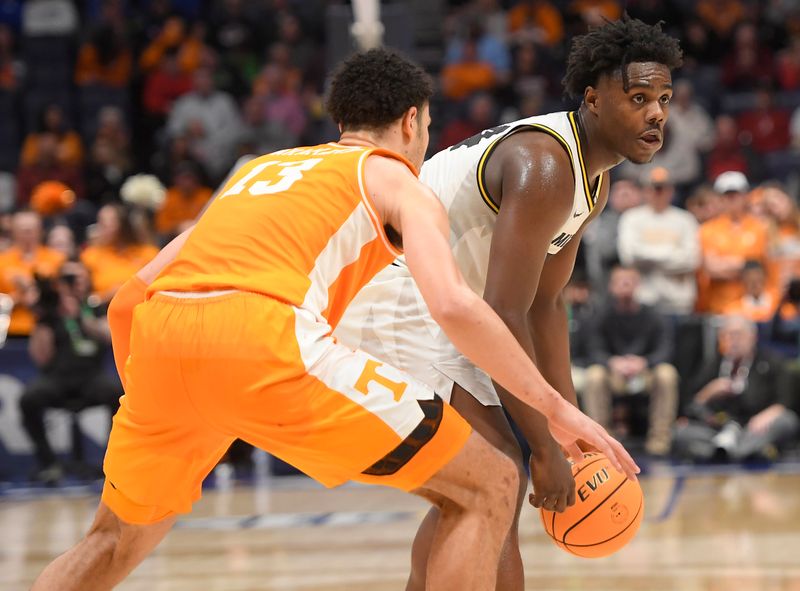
{"points": [[178, 209], [111, 267], [89, 70], [608, 9], [760, 309], [172, 35], [542, 15], [783, 263], [462, 79], [721, 236], [70, 149], [15, 269], [722, 17]]}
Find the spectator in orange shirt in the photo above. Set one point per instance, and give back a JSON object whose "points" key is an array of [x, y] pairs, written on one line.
{"points": [[105, 59], [116, 252], [721, 16], [596, 12], [69, 150], [18, 265], [173, 35], [759, 301], [184, 200], [469, 75], [727, 242], [46, 167], [783, 219], [536, 20]]}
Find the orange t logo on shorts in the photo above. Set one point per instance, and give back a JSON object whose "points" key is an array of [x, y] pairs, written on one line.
{"points": [[370, 374]]}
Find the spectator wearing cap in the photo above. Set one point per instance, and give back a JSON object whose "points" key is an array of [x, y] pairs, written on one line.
{"points": [[661, 241], [26, 258], [727, 242]]}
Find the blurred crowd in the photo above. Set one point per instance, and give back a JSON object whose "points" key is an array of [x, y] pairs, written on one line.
{"points": [[119, 118]]}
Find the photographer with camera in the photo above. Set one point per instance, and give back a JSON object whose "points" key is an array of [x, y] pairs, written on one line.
{"points": [[26, 257], [68, 344]]}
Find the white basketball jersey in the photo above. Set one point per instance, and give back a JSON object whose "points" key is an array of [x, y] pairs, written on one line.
{"points": [[457, 176]]}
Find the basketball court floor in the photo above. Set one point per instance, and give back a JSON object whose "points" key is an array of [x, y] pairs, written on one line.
{"points": [[704, 530]]}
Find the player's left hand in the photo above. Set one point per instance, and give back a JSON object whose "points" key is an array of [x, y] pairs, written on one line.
{"points": [[551, 475]]}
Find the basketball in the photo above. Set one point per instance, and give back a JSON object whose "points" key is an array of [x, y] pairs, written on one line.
{"points": [[606, 515]]}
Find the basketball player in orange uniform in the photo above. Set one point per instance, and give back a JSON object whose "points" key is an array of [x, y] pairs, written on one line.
{"points": [[234, 341]]}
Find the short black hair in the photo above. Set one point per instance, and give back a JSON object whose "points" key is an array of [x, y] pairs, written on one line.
{"points": [[372, 89], [612, 47]]}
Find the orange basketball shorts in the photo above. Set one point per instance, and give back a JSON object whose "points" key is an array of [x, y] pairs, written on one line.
{"points": [[204, 371]]}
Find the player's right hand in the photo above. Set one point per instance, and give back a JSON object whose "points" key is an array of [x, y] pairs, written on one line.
{"points": [[568, 424], [551, 475]]}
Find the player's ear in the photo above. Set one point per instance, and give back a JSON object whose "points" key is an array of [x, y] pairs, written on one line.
{"points": [[591, 98], [410, 122]]}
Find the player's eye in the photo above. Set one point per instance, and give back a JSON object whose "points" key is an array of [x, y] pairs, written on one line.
{"points": [[638, 99], [665, 100]]}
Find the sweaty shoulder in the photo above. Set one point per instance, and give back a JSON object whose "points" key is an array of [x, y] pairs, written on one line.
{"points": [[531, 164]]}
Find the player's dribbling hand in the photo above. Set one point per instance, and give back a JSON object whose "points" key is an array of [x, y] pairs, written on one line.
{"points": [[553, 483], [568, 424]]}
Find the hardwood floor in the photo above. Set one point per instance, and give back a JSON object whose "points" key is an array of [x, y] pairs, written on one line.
{"points": [[702, 532]]}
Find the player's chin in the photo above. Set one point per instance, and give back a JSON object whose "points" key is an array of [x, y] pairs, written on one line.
{"points": [[641, 156]]}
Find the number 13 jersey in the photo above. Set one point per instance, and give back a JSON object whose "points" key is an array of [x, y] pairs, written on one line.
{"points": [[296, 225]]}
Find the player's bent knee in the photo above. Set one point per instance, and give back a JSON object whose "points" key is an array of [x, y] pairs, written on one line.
{"points": [[500, 488]]}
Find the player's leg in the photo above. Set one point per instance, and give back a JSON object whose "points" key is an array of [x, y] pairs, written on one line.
{"points": [[475, 498], [364, 420], [159, 451], [105, 556], [491, 423], [663, 409]]}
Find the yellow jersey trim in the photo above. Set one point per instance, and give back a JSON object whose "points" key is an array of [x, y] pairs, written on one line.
{"points": [[481, 172], [591, 198]]}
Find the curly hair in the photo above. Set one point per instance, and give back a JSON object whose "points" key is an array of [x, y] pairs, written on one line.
{"points": [[612, 47], [372, 89]]}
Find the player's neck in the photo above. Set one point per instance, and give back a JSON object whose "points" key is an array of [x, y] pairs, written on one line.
{"points": [[597, 155], [358, 138], [370, 140]]}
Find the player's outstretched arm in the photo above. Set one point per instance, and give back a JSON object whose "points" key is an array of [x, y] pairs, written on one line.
{"points": [[412, 209]]}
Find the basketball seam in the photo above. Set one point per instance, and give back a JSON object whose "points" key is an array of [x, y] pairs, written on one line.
{"points": [[553, 526], [600, 504], [616, 535]]}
